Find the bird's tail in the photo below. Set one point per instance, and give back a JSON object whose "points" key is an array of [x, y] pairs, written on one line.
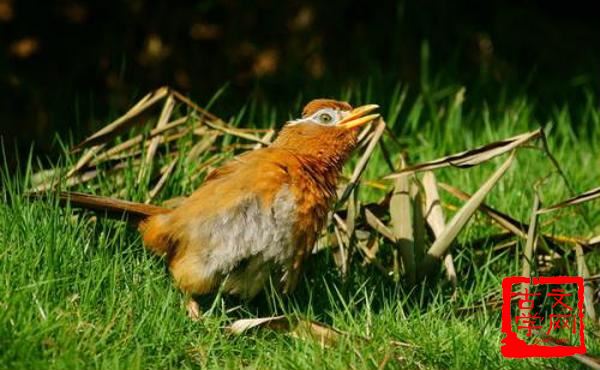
{"points": [[112, 207], [150, 220]]}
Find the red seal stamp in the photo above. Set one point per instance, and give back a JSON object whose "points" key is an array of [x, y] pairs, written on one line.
{"points": [[542, 317]]}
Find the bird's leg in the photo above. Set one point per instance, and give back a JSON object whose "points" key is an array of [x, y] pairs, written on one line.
{"points": [[193, 309]]}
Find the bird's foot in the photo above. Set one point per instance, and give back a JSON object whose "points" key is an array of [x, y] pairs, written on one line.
{"points": [[193, 309]]}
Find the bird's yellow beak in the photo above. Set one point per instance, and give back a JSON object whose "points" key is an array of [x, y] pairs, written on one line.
{"points": [[358, 116]]}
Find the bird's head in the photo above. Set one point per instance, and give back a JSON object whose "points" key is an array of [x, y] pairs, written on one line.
{"points": [[337, 114], [328, 129]]}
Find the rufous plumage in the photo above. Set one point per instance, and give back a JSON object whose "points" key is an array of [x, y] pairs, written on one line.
{"points": [[259, 215]]}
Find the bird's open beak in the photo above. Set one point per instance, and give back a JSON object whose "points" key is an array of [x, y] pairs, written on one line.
{"points": [[358, 116]]}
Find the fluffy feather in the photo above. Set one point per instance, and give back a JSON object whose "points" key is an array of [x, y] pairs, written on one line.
{"points": [[257, 216]]}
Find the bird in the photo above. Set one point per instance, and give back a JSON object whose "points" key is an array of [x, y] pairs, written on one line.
{"points": [[258, 216]]}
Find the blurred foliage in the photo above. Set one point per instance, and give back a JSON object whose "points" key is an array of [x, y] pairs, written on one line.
{"points": [[66, 66]]}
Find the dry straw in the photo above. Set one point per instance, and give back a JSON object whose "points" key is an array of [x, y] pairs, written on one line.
{"points": [[410, 219]]}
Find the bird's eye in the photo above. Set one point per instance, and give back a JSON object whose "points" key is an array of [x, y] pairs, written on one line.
{"points": [[325, 118]]}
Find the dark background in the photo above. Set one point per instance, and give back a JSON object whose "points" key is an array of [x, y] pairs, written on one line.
{"points": [[68, 66]]}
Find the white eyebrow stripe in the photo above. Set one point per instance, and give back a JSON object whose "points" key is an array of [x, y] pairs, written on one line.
{"points": [[298, 121], [313, 118], [334, 112], [326, 110]]}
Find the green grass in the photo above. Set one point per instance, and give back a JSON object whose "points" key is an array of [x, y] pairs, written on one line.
{"points": [[76, 292]]}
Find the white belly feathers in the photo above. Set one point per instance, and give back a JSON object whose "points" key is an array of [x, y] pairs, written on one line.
{"points": [[242, 246]]}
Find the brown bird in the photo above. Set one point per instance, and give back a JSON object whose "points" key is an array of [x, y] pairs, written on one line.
{"points": [[257, 216]]}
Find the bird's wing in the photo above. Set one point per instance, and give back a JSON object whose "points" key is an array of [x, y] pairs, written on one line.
{"points": [[240, 223], [238, 163]]}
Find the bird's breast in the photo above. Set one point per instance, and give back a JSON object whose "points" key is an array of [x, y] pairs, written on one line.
{"points": [[240, 245], [239, 230]]}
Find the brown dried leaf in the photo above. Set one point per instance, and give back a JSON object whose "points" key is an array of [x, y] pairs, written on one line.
{"points": [[364, 159], [474, 156], [163, 119], [309, 329], [297, 327], [201, 146], [268, 137], [134, 141], [402, 226], [236, 132], [378, 225], [243, 325], [434, 214], [162, 181], [352, 213], [194, 106], [589, 361], [530, 246], [456, 224], [43, 177], [113, 129], [74, 180], [418, 219], [503, 220], [581, 198], [510, 224], [588, 289], [341, 253], [85, 159]]}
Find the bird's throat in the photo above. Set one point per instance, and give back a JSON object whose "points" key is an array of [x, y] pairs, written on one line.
{"points": [[319, 153], [324, 148]]}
